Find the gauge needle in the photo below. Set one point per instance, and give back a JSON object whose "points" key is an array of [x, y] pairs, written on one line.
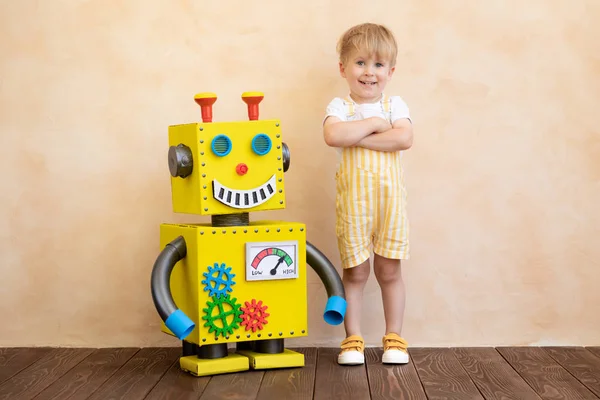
{"points": [[274, 270]]}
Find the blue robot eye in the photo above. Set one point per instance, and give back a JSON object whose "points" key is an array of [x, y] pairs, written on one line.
{"points": [[221, 145], [261, 144]]}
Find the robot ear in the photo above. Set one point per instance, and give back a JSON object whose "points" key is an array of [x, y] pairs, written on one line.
{"points": [[286, 157], [181, 162]]}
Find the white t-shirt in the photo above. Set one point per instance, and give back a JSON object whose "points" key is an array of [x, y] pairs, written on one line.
{"points": [[398, 110]]}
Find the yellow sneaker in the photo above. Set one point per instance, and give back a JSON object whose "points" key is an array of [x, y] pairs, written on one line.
{"points": [[353, 351], [394, 349]]}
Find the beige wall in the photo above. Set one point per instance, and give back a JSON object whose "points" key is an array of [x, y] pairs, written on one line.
{"points": [[504, 177]]}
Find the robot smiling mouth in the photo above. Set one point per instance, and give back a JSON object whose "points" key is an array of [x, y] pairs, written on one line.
{"points": [[244, 198]]}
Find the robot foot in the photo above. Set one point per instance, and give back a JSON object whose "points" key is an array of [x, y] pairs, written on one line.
{"points": [[286, 359], [205, 367]]}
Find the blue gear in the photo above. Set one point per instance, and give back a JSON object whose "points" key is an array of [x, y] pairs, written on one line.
{"points": [[219, 280]]}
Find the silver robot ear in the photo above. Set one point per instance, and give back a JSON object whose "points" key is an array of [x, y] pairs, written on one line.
{"points": [[286, 157], [180, 161]]}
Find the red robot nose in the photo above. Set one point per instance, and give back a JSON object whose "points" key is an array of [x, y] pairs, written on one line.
{"points": [[241, 169]]}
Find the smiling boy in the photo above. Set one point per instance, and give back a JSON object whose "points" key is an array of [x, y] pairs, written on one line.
{"points": [[370, 131]]}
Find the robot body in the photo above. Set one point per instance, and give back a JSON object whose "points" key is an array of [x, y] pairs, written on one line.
{"points": [[235, 281]]}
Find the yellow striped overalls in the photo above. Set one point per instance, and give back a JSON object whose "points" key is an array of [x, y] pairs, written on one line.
{"points": [[370, 201]]}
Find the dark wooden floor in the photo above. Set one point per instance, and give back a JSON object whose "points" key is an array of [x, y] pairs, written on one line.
{"points": [[434, 373]]}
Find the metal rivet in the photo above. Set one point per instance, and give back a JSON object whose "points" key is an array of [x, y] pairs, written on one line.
{"points": [[279, 158], [270, 334], [204, 187], [278, 147], [216, 339], [233, 231], [267, 230], [278, 135], [256, 231], [237, 336], [277, 125], [206, 209], [278, 230], [303, 331], [280, 333], [258, 335], [224, 231], [245, 230], [279, 181], [214, 232], [201, 153], [202, 232], [291, 229], [227, 337], [204, 339], [279, 169], [203, 164], [201, 141], [201, 128], [280, 190], [280, 201], [301, 229], [205, 198], [292, 332], [204, 175], [248, 335]]}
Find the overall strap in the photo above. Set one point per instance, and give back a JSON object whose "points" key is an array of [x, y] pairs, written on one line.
{"points": [[349, 107], [387, 107]]}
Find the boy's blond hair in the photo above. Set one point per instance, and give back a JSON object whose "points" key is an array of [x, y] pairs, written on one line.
{"points": [[373, 38]]}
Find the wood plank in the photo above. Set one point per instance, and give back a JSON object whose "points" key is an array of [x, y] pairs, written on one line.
{"points": [[38, 376], [492, 375], [291, 383], [14, 360], [442, 375], [595, 350], [544, 375], [580, 363], [178, 384], [139, 375], [334, 381], [87, 376], [238, 386], [392, 381]]}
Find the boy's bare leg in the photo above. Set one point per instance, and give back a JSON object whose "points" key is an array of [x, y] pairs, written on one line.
{"points": [[389, 276], [354, 283]]}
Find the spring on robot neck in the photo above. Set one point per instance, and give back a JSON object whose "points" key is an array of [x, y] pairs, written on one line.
{"points": [[241, 219]]}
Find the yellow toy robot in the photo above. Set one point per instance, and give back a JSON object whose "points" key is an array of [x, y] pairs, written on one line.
{"points": [[233, 280]]}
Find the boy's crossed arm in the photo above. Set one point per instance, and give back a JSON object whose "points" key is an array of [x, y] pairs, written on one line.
{"points": [[372, 133], [399, 137]]}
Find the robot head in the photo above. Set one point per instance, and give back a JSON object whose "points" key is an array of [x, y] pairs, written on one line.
{"points": [[227, 167]]}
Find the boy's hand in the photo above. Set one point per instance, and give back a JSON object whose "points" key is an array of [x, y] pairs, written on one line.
{"points": [[381, 125]]}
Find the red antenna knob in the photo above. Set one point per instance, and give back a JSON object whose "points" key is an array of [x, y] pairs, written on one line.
{"points": [[205, 101], [252, 99]]}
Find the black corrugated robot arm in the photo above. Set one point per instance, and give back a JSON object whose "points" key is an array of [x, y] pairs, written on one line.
{"points": [[335, 309], [175, 319]]}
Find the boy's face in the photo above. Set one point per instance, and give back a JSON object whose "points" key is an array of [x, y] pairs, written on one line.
{"points": [[367, 75]]}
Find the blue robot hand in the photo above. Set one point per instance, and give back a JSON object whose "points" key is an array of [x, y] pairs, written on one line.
{"points": [[335, 310], [180, 324]]}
